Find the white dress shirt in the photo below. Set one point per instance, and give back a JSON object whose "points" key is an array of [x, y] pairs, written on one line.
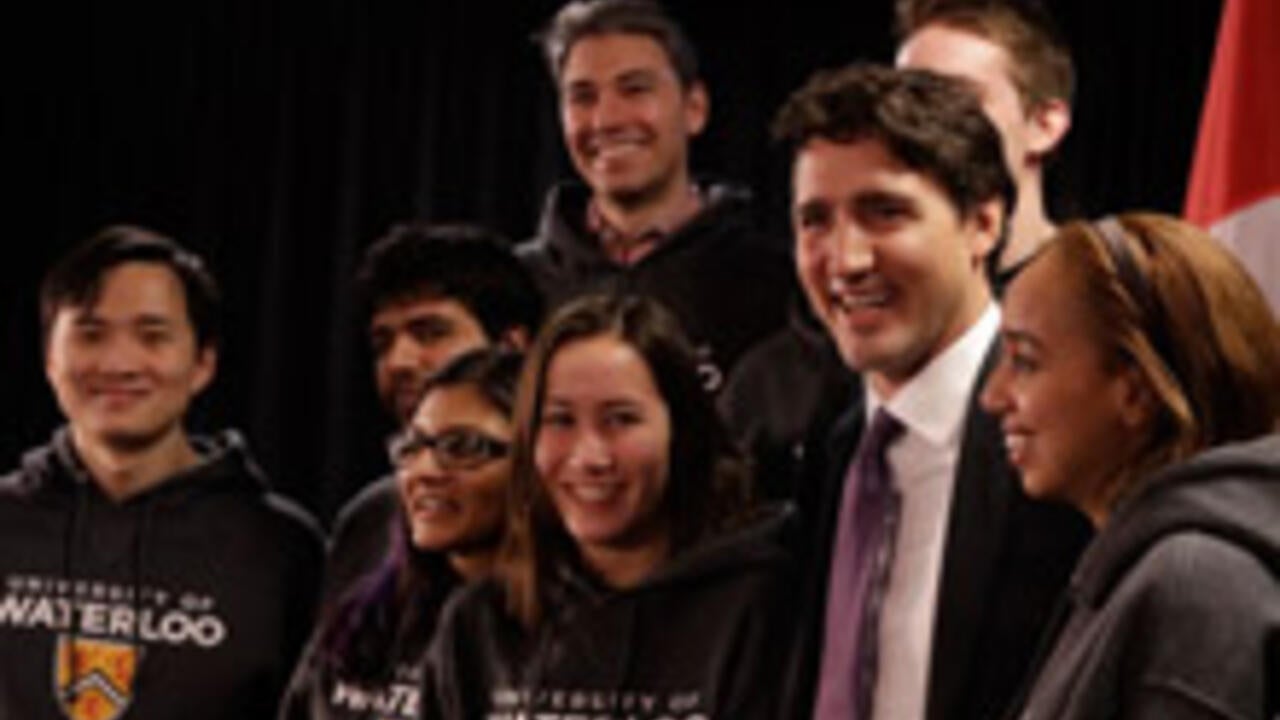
{"points": [[933, 407]]}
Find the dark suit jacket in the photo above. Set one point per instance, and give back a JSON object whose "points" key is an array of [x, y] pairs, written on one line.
{"points": [[1006, 560]]}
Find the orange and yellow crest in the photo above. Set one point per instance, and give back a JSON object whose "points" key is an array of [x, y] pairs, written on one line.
{"points": [[94, 678]]}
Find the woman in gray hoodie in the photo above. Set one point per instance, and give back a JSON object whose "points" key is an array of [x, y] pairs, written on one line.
{"points": [[1140, 382]]}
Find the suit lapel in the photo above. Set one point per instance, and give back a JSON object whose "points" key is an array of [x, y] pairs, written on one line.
{"points": [[975, 528], [819, 502]]}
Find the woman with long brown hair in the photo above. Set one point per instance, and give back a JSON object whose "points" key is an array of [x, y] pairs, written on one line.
{"points": [[630, 582]]}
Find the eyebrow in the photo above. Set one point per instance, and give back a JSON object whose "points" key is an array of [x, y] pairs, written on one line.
{"points": [[447, 428], [810, 203], [1022, 336], [647, 74], [91, 318], [622, 403], [640, 73], [151, 320]]}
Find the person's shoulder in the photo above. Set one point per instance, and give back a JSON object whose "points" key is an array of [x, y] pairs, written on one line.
{"points": [[35, 470], [377, 500], [754, 553], [1193, 571], [229, 480], [475, 610], [15, 486], [1199, 614], [292, 520], [482, 597], [728, 215]]}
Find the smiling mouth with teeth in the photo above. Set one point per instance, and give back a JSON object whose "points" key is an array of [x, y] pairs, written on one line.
{"points": [[593, 492], [866, 300], [431, 504], [1015, 444]]}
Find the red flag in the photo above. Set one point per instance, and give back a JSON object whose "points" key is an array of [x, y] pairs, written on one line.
{"points": [[1235, 178]]}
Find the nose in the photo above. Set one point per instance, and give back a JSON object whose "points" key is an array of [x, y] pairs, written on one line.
{"points": [[851, 249], [120, 355], [423, 469], [590, 452], [607, 111], [403, 355], [995, 396]]}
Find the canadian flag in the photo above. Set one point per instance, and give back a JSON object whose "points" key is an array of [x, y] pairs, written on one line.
{"points": [[1235, 176]]}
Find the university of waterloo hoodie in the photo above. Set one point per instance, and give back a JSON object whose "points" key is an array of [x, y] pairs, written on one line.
{"points": [[1174, 609], [698, 640], [188, 601]]}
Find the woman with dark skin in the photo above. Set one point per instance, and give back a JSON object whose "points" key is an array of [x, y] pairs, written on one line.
{"points": [[452, 467], [1140, 382]]}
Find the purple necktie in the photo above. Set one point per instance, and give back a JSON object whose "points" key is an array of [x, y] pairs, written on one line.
{"points": [[859, 577]]}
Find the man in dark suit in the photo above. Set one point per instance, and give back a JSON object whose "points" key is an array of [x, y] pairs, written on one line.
{"points": [[900, 194]]}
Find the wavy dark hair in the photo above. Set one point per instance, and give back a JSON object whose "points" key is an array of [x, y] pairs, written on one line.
{"points": [[933, 124], [397, 604], [707, 489], [466, 263]]}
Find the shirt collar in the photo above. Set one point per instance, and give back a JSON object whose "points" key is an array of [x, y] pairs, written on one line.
{"points": [[627, 249], [935, 402]]}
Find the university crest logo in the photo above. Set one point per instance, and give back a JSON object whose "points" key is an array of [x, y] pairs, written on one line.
{"points": [[94, 678]]}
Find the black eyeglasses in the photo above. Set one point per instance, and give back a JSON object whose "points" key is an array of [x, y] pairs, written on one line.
{"points": [[455, 449]]}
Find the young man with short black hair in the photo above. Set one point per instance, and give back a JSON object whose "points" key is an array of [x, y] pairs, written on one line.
{"points": [[431, 292], [145, 571]]}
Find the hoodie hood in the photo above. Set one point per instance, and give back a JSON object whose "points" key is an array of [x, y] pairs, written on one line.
{"points": [[756, 547], [55, 470], [1231, 492], [563, 237], [725, 279]]}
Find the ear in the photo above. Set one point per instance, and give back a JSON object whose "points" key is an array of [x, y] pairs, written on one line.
{"points": [[1135, 400], [514, 338], [985, 223], [205, 369], [1048, 124], [697, 108]]}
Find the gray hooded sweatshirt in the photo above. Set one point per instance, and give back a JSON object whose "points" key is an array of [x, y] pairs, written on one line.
{"points": [[1174, 609]]}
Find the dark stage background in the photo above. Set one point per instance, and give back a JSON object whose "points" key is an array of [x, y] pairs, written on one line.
{"points": [[280, 138]]}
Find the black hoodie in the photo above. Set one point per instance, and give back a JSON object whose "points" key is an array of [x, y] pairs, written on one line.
{"points": [[187, 601], [1174, 609], [783, 397], [699, 639], [727, 285], [363, 662]]}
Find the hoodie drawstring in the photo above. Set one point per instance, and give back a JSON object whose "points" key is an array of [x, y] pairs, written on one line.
{"points": [[72, 532], [136, 580]]}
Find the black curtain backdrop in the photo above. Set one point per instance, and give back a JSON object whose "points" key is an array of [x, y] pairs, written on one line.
{"points": [[280, 138]]}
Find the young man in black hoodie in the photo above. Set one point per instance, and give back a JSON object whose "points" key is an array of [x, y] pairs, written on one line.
{"points": [[145, 571], [432, 292], [631, 101]]}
